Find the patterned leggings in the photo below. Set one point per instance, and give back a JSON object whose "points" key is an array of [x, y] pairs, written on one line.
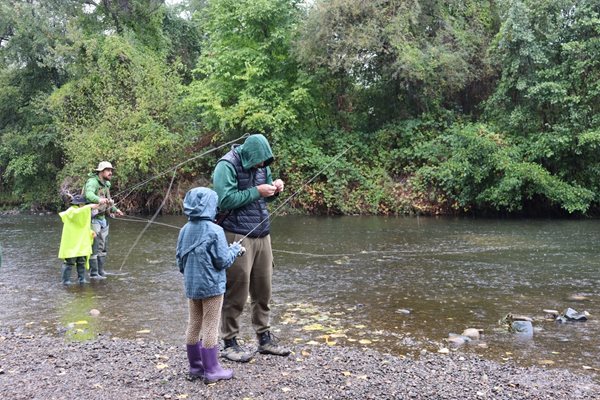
{"points": [[204, 318]]}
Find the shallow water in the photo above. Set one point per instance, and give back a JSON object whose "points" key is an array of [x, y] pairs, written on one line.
{"points": [[400, 285]]}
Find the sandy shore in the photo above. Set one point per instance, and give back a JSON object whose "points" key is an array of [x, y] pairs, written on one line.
{"points": [[46, 367]]}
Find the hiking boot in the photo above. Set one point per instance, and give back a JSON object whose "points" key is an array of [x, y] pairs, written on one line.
{"points": [[267, 344], [234, 352]]}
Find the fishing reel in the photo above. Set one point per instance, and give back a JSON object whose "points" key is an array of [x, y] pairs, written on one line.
{"points": [[242, 248], [242, 251]]}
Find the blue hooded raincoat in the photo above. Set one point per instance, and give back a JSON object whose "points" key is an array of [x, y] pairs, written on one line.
{"points": [[203, 254]]}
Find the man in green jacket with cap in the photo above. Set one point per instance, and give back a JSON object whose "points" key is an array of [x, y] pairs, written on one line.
{"points": [[97, 190], [243, 182]]}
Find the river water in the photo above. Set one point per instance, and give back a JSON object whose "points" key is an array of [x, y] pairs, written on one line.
{"points": [[400, 285]]}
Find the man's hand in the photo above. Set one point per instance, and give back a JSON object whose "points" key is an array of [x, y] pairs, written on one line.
{"points": [[103, 200], [117, 213], [279, 185], [266, 190]]}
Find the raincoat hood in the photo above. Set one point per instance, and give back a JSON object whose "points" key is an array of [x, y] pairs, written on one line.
{"points": [[200, 203], [255, 150]]}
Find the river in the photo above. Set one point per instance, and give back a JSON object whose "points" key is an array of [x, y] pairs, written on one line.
{"points": [[400, 285]]}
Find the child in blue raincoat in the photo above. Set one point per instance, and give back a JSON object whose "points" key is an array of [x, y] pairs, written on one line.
{"points": [[203, 255]]}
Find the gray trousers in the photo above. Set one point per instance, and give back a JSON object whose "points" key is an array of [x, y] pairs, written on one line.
{"points": [[251, 275], [100, 245]]}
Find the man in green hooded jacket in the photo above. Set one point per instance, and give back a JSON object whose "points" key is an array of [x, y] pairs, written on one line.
{"points": [[97, 191], [243, 182]]}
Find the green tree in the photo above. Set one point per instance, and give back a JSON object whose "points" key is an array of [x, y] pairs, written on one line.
{"points": [[548, 96], [121, 107], [31, 66], [391, 60], [246, 78]]}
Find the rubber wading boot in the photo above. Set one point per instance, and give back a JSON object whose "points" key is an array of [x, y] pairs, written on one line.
{"points": [[195, 359], [101, 261], [234, 352], [212, 369], [94, 269], [267, 344], [81, 274], [66, 274]]}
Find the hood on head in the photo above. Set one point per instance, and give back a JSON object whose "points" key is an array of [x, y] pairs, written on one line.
{"points": [[200, 203], [255, 150]]}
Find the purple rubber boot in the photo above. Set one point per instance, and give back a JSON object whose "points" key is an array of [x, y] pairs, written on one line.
{"points": [[212, 369], [195, 359]]}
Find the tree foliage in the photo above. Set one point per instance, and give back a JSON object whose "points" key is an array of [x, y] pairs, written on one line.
{"points": [[246, 79], [437, 106]]}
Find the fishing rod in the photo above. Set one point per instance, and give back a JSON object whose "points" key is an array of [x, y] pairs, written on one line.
{"points": [[174, 168], [144, 220], [274, 213], [151, 220]]}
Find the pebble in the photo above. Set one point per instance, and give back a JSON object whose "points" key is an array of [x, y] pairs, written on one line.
{"points": [[126, 369]]}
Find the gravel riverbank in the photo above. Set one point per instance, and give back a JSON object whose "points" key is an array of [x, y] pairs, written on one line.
{"points": [[46, 367]]}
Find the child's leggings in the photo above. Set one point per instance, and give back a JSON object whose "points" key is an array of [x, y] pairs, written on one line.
{"points": [[204, 318]]}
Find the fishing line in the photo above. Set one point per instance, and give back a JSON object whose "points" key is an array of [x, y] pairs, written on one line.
{"points": [[143, 220], [130, 190], [151, 220], [274, 213], [174, 169], [314, 255]]}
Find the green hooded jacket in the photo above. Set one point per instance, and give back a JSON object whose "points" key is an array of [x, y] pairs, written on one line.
{"points": [[255, 150]]}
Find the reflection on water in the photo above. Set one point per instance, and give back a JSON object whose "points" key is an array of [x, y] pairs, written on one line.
{"points": [[397, 284]]}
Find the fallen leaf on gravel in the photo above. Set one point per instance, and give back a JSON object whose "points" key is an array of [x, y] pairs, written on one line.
{"points": [[364, 341], [305, 353], [144, 331], [161, 366], [285, 389], [98, 386], [546, 362], [313, 327], [313, 343], [360, 326], [82, 322], [347, 373], [182, 396]]}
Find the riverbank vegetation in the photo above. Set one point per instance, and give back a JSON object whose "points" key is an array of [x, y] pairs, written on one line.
{"points": [[449, 106]]}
